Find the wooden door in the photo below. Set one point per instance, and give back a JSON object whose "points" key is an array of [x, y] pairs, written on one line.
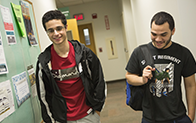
{"points": [[86, 36]]}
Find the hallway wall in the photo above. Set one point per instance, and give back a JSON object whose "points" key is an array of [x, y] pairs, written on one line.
{"points": [[129, 26], [136, 15], [180, 9], [113, 68], [39, 10]]}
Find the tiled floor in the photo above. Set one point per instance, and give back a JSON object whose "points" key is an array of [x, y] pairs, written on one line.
{"points": [[115, 109]]}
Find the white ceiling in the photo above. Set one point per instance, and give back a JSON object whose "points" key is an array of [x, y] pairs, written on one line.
{"points": [[66, 3]]}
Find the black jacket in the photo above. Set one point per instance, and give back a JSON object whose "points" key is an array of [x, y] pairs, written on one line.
{"points": [[53, 104]]}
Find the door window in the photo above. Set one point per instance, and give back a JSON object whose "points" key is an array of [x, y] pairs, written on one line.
{"points": [[86, 36]]}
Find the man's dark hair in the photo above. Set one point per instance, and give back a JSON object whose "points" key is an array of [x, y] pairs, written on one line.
{"points": [[162, 17], [53, 14]]}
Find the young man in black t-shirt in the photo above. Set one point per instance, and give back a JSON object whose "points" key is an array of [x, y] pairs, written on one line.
{"points": [[168, 56]]}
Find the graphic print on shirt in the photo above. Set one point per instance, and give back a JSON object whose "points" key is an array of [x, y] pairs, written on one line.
{"points": [[163, 80], [65, 74]]}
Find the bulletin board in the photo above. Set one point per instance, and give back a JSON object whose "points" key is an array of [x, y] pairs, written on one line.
{"points": [[21, 60]]}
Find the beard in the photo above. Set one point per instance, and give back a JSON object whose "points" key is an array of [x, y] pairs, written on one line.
{"points": [[167, 42]]}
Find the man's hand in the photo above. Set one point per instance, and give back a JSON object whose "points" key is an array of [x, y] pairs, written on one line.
{"points": [[190, 118], [190, 88], [147, 73]]}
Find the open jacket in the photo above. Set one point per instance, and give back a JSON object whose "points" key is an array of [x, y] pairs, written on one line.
{"points": [[53, 104]]}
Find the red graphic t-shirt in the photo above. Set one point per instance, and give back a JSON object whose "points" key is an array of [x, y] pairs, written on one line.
{"points": [[66, 74]]}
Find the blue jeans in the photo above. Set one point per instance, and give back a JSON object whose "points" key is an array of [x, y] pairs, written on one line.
{"points": [[184, 119]]}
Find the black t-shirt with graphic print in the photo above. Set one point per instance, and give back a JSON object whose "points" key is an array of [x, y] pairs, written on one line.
{"points": [[171, 64]]}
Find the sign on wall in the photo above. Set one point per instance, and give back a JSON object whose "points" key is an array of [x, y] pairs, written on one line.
{"points": [[107, 25], [65, 11], [111, 48]]}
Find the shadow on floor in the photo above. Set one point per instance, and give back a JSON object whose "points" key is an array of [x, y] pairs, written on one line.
{"points": [[115, 109]]}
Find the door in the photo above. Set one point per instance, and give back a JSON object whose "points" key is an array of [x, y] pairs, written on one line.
{"points": [[86, 36]]}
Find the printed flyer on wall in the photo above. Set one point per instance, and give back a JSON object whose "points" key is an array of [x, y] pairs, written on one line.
{"points": [[18, 15], [8, 25], [3, 64], [21, 87], [31, 73], [6, 100], [28, 24]]}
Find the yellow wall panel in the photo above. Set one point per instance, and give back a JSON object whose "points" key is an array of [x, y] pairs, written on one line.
{"points": [[72, 25]]}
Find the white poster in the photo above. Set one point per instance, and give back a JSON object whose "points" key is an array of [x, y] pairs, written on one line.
{"points": [[3, 64], [8, 25], [6, 100], [21, 87], [31, 73]]}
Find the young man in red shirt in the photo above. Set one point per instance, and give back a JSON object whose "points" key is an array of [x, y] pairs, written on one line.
{"points": [[69, 77]]}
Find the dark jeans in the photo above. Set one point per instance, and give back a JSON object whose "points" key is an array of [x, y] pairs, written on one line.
{"points": [[184, 119]]}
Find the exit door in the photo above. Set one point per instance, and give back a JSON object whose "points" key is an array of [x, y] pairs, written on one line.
{"points": [[86, 36]]}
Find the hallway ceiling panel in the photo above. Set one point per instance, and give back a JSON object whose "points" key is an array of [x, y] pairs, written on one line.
{"points": [[66, 3]]}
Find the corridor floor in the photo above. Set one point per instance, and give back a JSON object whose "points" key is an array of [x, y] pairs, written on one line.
{"points": [[115, 109]]}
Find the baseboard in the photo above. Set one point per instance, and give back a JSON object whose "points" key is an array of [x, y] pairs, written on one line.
{"points": [[117, 80]]}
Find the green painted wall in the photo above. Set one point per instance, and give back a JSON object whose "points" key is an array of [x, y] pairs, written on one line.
{"points": [[18, 57]]}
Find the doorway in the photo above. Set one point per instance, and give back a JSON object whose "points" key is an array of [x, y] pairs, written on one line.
{"points": [[86, 36]]}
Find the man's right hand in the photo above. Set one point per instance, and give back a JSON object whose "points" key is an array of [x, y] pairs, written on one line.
{"points": [[147, 73]]}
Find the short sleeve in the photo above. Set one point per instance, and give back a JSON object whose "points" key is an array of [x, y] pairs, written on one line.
{"points": [[189, 67], [133, 65]]}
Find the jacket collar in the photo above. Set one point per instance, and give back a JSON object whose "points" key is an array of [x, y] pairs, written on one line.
{"points": [[44, 57], [79, 48]]}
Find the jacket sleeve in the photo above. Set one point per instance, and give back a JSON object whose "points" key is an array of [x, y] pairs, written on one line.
{"points": [[43, 95], [97, 77]]}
